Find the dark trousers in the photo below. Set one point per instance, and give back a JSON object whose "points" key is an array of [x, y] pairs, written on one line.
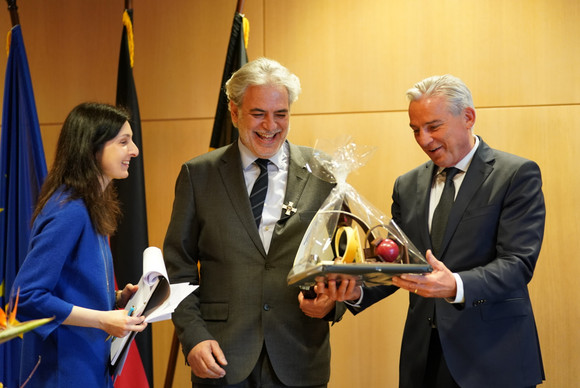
{"points": [[262, 376], [437, 374]]}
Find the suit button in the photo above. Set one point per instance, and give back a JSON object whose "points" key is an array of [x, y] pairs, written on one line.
{"points": [[266, 307], [268, 266]]}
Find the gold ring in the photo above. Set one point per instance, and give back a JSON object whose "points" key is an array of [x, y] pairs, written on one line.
{"points": [[416, 290]]}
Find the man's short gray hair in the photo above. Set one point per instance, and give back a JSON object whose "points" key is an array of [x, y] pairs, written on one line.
{"points": [[452, 88], [262, 71]]}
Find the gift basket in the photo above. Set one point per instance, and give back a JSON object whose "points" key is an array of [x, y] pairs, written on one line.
{"points": [[349, 238]]}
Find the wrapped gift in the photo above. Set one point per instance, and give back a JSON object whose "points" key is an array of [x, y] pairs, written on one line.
{"points": [[349, 238]]}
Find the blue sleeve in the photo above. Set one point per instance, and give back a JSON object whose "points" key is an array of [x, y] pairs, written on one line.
{"points": [[54, 240]]}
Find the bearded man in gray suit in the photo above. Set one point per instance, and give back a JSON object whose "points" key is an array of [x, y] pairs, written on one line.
{"points": [[470, 322], [244, 326]]}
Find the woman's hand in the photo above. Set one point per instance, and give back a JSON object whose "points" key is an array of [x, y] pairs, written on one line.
{"points": [[118, 323], [115, 322]]}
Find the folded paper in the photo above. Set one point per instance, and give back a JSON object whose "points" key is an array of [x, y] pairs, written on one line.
{"points": [[155, 299]]}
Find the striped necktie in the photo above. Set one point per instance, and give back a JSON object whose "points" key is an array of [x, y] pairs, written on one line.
{"points": [[258, 194]]}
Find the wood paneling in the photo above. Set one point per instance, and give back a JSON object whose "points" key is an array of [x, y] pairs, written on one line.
{"points": [[359, 55], [355, 60]]}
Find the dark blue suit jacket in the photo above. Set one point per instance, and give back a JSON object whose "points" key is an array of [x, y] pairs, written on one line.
{"points": [[492, 241]]}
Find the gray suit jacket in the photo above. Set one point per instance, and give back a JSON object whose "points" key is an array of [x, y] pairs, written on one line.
{"points": [[492, 241], [243, 300]]}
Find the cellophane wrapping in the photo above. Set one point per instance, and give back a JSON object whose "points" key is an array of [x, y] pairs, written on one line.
{"points": [[349, 237]]}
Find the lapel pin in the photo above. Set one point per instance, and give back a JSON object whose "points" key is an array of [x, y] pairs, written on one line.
{"points": [[290, 209]]}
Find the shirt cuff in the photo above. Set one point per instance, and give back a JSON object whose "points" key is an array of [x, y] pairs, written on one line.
{"points": [[357, 303], [459, 297]]}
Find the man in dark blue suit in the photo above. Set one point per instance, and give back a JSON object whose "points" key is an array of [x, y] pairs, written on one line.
{"points": [[470, 322]]}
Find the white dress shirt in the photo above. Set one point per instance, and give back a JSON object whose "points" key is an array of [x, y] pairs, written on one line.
{"points": [[437, 190]]}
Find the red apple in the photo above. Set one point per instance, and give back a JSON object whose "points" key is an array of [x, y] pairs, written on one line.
{"points": [[388, 250]]}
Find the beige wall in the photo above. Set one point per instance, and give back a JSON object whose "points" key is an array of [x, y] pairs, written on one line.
{"points": [[355, 60]]}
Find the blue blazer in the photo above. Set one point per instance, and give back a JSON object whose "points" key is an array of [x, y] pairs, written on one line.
{"points": [[67, 264], [492, 241]]}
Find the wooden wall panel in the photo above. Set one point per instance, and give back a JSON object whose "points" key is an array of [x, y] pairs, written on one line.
{"points": [[182, 49], [166, 146], [359, 55], [548, 135], [355, 60], [71, 48]]}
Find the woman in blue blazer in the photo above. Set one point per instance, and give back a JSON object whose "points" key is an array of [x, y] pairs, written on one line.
{"points": [[68, 271]]}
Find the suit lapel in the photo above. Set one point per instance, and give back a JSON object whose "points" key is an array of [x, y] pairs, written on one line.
{"points": [[298, 192], [297, 178], [230, 170], [479, 170]]}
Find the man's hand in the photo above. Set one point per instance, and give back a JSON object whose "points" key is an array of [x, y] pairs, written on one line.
{"points": [[348, 289], [318, 307], [202, 360], [438, 284]]}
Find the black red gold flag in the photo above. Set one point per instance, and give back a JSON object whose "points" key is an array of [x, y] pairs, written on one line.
{"points": [[131, 237], [224, 132]]}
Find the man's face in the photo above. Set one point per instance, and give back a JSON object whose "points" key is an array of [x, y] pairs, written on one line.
{"points": [[445, 138], [263, 119]]}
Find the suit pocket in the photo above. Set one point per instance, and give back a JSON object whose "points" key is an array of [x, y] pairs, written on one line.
{"points": [[214, 311], [476, 212], [509, 308]]}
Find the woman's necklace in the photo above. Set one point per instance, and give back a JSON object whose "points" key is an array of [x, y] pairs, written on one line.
{"points": [[102, 246]]}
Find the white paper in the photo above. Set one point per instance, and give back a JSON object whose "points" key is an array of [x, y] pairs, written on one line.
{"points": [[178, 293], [155, 298]]}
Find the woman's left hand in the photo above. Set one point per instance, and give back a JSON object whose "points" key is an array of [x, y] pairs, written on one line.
{"points": [[123, 296]]}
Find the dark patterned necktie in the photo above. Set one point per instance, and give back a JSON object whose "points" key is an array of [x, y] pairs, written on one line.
{"points": [[258, 194], [441, 214]]}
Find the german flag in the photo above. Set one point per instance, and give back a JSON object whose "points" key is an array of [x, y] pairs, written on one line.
{"points": [[131, 237], [223, 130]]}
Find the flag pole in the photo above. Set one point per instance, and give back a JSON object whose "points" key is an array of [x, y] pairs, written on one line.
{"points": [[170, 372], [13, 8], [239, 7], [128, 4]]}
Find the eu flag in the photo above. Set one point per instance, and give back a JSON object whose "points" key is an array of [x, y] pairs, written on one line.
{"points": [[22, 169], [224, 132]]}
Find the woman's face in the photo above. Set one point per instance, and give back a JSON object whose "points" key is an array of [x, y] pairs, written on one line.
{"points": [[116, 154]]}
